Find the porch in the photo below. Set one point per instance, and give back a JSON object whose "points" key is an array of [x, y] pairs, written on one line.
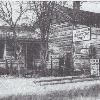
{"points": [[27, 50]]}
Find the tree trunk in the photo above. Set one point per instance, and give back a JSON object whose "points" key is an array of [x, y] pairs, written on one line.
{"points": [[43, 56], [15, 42]]}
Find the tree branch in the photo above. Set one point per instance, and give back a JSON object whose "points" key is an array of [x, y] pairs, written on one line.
{"points": [[3, 15], [22, 11]]}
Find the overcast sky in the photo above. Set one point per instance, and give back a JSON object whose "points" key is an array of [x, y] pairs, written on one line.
{"points": [[92, 6]]}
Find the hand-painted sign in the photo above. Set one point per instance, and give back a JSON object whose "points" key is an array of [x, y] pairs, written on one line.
{"points": [[81, 34], [94, 64]]}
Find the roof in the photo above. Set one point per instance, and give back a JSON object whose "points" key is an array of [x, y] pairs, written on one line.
{"points": [[23, 33], [17, 28], [79, 17]]}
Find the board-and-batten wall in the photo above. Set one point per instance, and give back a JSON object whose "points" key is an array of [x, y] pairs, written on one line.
{"points": [[61, 42]]}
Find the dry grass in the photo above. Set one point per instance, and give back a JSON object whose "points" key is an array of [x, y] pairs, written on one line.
{"points": [[88, 93]]}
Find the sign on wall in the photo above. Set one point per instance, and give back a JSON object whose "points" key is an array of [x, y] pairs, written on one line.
{"points": [[77, 61], [81, 34], [94, 64]]}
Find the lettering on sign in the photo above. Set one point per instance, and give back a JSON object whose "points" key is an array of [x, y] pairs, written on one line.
{"points": [[94, 64], [81, 34], [77, 56], [55, 56]]}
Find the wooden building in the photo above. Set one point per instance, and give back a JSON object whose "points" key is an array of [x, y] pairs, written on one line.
{"points": [[28, 47], [61, 38], [68, 21]]}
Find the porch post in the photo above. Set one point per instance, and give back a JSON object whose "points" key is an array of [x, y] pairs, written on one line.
{"points": [[51, 66], [5, 51], [26, 56]]}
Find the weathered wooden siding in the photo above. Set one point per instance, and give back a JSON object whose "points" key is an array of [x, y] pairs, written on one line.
{"points": [[61, 41]]}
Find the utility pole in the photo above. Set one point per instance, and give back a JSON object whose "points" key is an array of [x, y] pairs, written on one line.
{"points": [[76, 8]]}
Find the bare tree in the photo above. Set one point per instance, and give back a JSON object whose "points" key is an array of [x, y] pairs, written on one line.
{"points": [[7, 14], [44, 13], [11, 16]]}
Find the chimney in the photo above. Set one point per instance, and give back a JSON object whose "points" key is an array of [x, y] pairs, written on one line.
{"points": [[76, 5]]}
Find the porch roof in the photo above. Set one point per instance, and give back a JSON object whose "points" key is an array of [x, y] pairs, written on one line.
{"points": [[22, 33]]}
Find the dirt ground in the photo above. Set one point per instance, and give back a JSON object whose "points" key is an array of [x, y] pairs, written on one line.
{"points": [[28, 89]]}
